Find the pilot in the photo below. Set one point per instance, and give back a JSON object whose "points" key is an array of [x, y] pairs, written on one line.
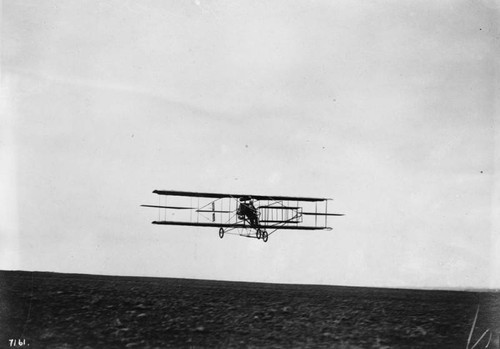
{"points": [[249, 210], [252, 214]]}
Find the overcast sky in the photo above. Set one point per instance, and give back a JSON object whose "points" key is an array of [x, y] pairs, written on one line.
{"points": [[388, 107]]}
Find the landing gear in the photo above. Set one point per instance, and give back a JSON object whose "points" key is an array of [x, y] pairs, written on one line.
{"points": [[258, 233], [221, 232], [265, 236]]}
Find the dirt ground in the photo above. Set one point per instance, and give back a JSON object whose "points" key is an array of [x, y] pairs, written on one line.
{"points": [[49, 310]]}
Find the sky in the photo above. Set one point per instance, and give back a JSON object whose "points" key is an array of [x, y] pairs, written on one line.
{"points": [[388, 107]]}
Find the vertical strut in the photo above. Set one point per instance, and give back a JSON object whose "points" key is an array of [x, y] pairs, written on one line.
{"points": [[166, 204], [326, 212], [297, 213], [315, 214], [213, 211]]}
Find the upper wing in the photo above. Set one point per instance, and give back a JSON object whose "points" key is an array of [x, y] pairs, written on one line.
{"points": [[237, 196], [321, 214], [172, 207]]}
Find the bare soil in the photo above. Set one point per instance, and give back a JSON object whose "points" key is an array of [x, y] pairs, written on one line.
{"points": [[50, 310]]}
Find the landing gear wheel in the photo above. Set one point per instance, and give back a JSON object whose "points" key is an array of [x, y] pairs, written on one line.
{"points": [[265, 236], [258, 233], [221, 232]]}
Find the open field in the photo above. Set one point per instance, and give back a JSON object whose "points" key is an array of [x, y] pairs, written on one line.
{"points": [[50, 310]]}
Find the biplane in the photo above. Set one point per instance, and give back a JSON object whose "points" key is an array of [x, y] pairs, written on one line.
{"points": [[253, 216]]}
